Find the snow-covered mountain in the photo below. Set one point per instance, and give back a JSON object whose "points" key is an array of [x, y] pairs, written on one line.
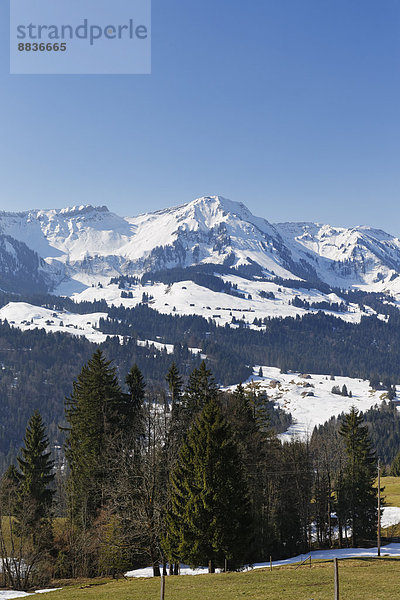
{"points": [[85, 245]]}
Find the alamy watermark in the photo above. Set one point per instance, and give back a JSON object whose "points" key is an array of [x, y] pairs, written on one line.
{"points": [[80, 37]]}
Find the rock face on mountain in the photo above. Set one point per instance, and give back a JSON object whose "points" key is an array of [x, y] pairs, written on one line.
{"points": [[89, 244], [21, 269]]}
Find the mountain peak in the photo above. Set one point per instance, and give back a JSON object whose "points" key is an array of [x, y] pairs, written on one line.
{"points": [[220, 203], [82, 209]]}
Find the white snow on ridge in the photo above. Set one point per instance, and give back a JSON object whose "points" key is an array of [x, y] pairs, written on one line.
{"points": [[168, 347], [309, 398], [26, 316]]}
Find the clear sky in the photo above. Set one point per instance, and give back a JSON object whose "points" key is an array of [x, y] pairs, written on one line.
{"points": [[290, 106]]}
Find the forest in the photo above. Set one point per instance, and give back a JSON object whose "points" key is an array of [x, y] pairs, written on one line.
{"points": [[154, 475], [37, 368]]}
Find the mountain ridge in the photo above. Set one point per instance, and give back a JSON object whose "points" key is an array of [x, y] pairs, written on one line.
{"points": [[89, 243]]}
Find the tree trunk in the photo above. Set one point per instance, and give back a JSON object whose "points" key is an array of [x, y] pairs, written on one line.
{"points": [[211, 566], [156, 570]]}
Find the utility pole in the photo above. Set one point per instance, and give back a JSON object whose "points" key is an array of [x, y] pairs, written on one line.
{"points": [[379, 507]]}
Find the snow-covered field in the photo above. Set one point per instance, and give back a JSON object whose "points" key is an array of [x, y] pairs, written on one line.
{"points": [[390, 516], [26, 316], [183, 298], [188, 298], [9, 594], [389, 550], [309, 397]]}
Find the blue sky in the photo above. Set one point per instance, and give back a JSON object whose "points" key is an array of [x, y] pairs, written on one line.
{"points": [[290, 106]]}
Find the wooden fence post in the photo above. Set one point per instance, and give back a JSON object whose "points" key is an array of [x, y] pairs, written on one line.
{"points": [[162, 595], [379, 507], [336, 577]]}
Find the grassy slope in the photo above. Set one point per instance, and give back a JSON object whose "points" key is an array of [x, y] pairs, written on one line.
{"points": [[359, 579], [391, 492]]}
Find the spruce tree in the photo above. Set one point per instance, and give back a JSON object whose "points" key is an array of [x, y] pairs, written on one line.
{"points": [[35, 474], [136, 385], [395, 466], [209, 516], [9, 481], [174, 381], [357, 486], [94, 415], [132, 417], [200, 389]]}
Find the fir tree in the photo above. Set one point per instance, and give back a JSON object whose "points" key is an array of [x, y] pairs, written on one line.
{"points": [[358, 478], [209, 516]]}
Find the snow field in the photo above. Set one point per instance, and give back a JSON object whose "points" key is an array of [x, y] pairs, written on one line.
{"points": [[392, 550], [26, 317], [291, 392], [188, 298]]}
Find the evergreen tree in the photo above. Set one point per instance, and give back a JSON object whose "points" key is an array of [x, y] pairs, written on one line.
{"points": [[174, 381], [201, 388], [132, 421], [35, 474], [259, 449], [176, 428], [358, 478], [258, 400], [136, 385], [9, 481], [93, 413], [209, 518], [395, 467]]}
